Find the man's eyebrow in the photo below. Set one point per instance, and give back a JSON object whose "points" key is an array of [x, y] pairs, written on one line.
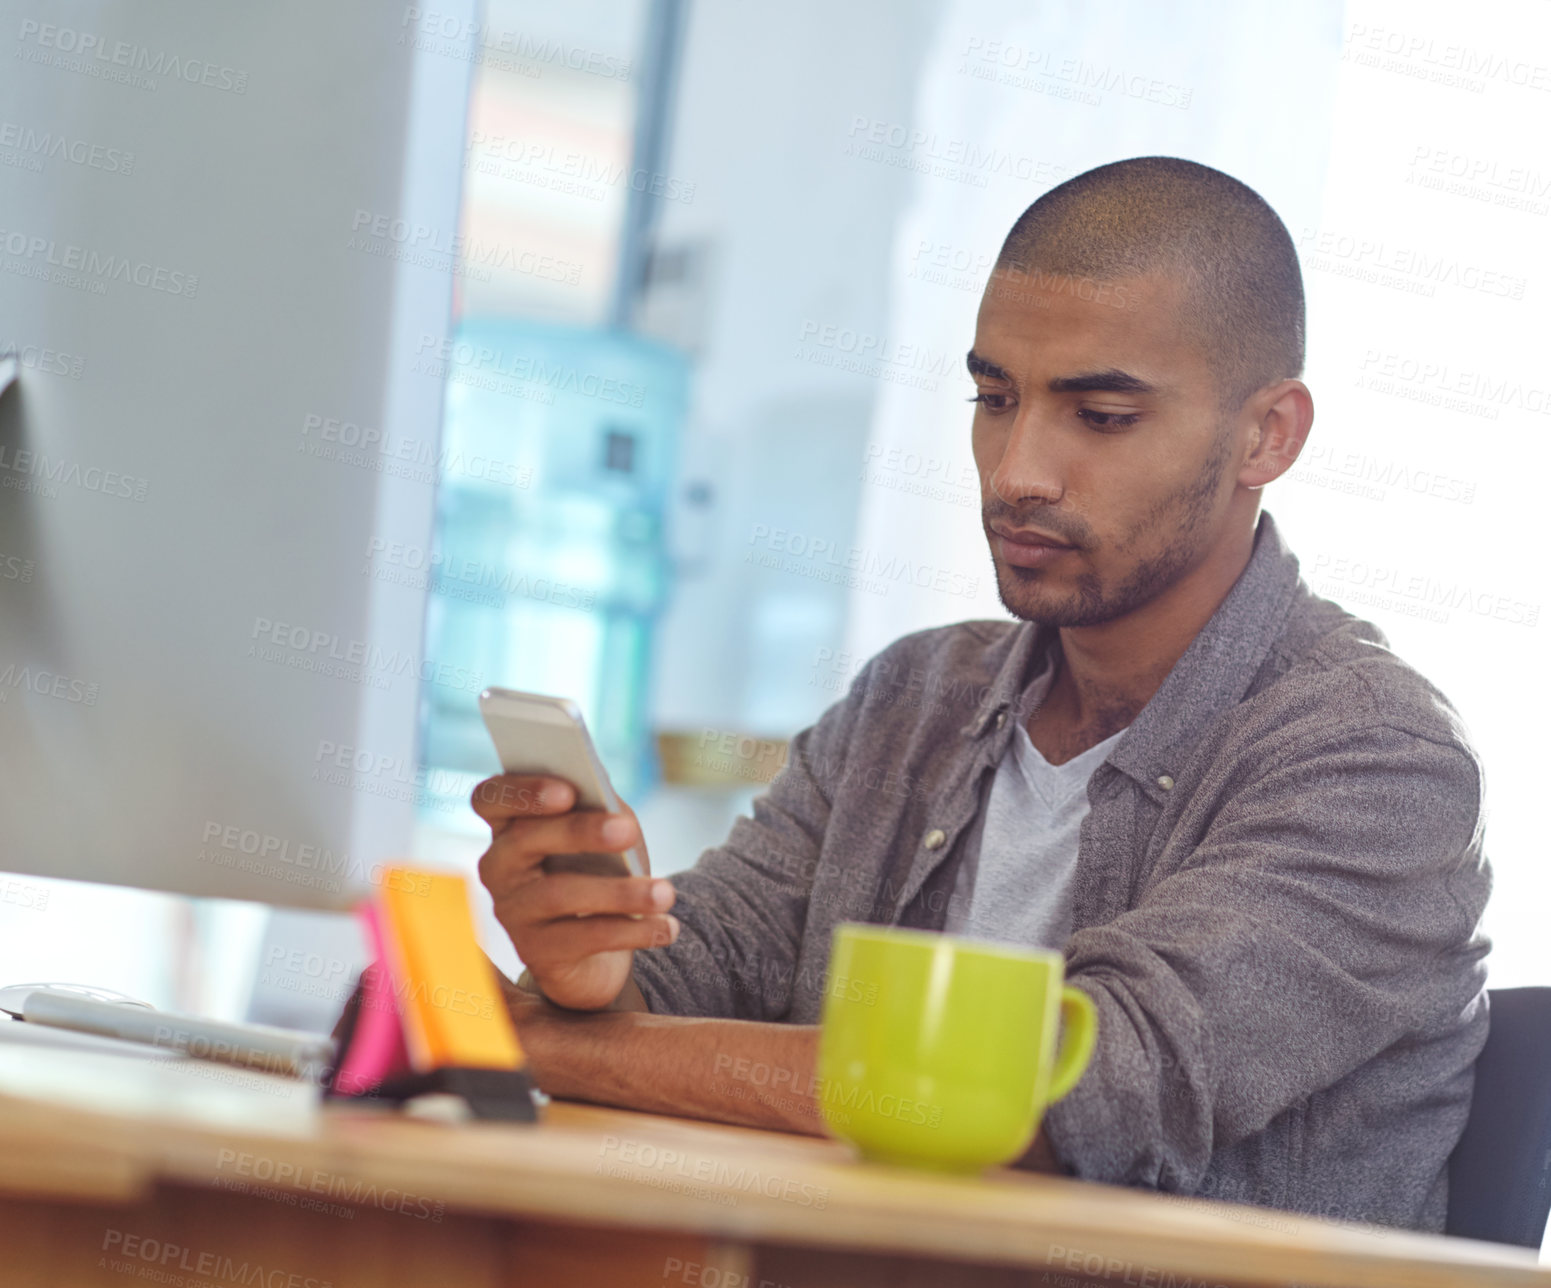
{"points": [[979, 366], [1112, 381]]}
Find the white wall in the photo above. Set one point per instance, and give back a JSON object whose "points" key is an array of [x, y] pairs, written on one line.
{"points": [[799, 233]]}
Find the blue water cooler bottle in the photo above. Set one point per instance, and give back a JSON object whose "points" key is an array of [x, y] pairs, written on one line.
{"points": [[549, 559]]}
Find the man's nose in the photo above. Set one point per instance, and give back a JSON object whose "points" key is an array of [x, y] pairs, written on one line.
{"points": [[1029, 468]]}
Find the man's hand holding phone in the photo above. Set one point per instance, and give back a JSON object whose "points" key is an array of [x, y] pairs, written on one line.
{"points": [[576, 933]]}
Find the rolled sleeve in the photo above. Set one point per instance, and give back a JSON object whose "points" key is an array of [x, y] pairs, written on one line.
{"points": [[1329, 911]]}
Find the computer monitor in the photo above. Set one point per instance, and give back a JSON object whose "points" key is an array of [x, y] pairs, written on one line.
{"points": [[221, 243]]}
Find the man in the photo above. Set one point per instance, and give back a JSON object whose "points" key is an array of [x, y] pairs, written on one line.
{"points": [[1254, 832]]}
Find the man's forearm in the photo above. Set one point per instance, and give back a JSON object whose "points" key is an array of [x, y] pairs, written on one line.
{"points": [[738, 1071]]}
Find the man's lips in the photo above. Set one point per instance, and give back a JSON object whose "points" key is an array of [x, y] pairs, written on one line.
{"points": [[1029, 536], [1029, 547]]}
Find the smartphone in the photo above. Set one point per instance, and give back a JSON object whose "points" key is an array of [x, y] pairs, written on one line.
{"points": [[537, 734]]}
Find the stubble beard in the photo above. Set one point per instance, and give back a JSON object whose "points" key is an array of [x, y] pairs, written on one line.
{"points": [[1185, 511]]}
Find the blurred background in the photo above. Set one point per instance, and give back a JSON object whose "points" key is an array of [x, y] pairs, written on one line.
{"points": [[704, 446]]}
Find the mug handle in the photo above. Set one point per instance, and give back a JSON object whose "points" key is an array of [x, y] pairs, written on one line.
{"points": [[1080, 1026]]}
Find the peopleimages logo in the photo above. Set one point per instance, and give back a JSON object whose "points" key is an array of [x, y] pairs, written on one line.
{"points": [[46, 684], [821, 559], [328, 653], [1443, 61], [1407, 268], [1457, 388], [143, 1257], [345, 441], [552, 375], [81, 266], [62, 147], [316, 1180], [420, 243], [245, 849], [492, 584], [1044, 70], [1516, 187], [639, 1160], [928, 152], [52, 362], [879, 357], [437, 31], [567, 171], [21, 465], [119, 60], [1417, 594]]}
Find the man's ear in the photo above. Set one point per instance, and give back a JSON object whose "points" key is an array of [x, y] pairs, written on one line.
{"points": [[1285, 416]]}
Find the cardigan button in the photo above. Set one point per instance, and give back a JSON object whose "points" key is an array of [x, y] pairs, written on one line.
{"points": [[934, 839], [1165, 782]]}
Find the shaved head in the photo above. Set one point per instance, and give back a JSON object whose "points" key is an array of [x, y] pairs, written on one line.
{"points": [[1242, 298]]}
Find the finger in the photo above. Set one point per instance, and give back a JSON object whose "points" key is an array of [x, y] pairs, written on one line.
{"points": [[522, 844], [581, 831], [571, 940], [508, 796], [578, 895], [508, 865]]}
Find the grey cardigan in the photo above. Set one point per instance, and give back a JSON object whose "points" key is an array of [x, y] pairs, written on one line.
{"points": [[1277, 898]]}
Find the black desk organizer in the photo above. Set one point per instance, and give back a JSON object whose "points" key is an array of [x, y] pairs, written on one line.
{"points": [[503, 1095]]}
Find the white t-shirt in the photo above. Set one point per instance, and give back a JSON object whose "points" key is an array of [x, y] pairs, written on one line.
{"points": [[1017, 887]]}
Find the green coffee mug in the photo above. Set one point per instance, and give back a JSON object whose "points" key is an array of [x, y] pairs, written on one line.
{"points": [[942, 1052]]}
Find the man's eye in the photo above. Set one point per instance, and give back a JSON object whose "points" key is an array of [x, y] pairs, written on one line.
{"points": [[993, 402], [1107, 420]]}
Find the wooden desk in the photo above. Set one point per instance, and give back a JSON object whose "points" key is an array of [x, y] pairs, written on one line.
{"points": [[114, 1170]]}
